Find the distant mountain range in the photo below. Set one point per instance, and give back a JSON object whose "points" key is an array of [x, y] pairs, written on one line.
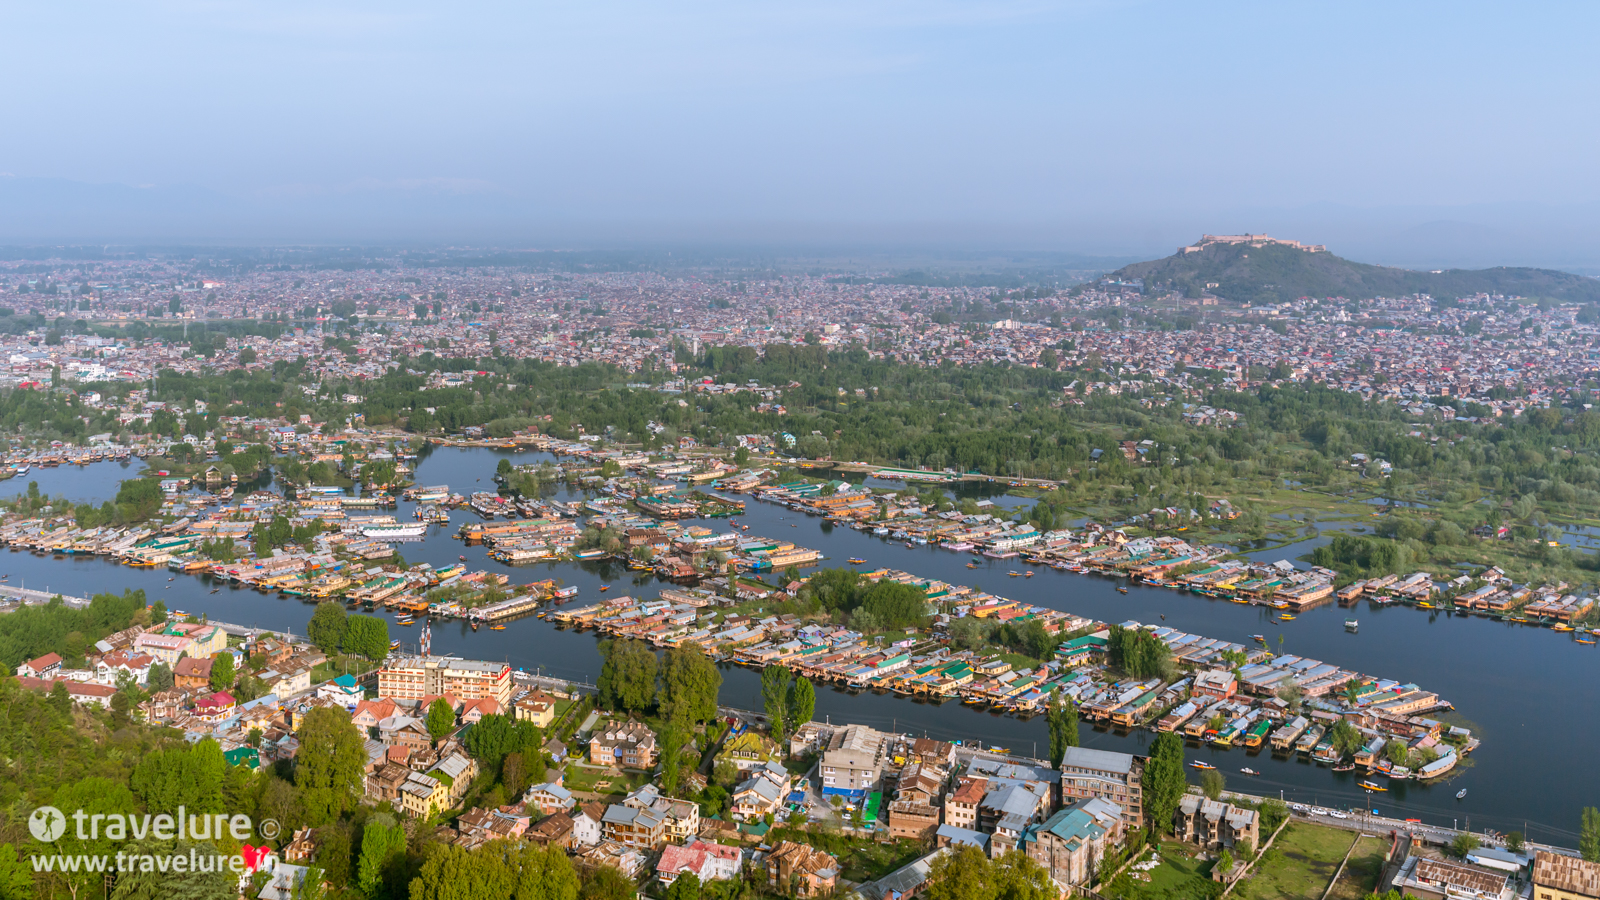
{"points": [[1257, 269]]}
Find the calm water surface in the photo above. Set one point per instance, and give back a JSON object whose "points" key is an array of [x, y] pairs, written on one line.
{"points": [[1530, 694]]}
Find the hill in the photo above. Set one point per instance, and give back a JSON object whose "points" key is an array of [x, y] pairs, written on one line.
{"points": [[1278, 272]]}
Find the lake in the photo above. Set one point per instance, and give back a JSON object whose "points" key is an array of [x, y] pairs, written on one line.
{"points": [[1527, 692]]}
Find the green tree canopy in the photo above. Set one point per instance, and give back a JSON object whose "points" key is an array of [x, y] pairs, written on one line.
{"points": [[689, 685], [1164, 782], [327, 626], [367, 636], [627, 675], [330, 767], [441, 718]]}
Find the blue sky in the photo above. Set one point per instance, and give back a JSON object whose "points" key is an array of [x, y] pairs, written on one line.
{"points": [[1097, 126]]}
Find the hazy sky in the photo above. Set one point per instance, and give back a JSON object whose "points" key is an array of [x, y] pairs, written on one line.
{"points": [[1100, 126]]}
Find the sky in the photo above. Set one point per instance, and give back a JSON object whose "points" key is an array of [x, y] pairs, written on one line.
{"points": [[1386, 130]]}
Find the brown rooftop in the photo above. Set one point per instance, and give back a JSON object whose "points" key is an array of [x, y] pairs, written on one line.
{"points": [[1443, 872], [1566, 873]]}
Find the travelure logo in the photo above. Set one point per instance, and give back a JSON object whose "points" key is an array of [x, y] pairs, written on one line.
{"points": [[46, 824]]}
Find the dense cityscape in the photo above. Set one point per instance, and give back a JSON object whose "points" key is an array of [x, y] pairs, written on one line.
{"points": [[265, 427], [1476, 358], [804, 451]]}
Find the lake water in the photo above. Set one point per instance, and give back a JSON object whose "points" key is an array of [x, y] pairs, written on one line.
{"points": [[1529, 693]]}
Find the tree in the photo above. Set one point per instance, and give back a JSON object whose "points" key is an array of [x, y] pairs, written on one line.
{"points": [[327, 626], [1212, 783], [1164, 783], [685, 887], [542, 873], [967, 874], [689, 685], [160, 678], [1515, 842], [247, 355], [775, 683], [802, 703], [895, 606], [496, 737], [60, 698], [441, 718], [16, 876], [222, 672], [93, 796], [673, 738], [1463, 843], [1589, 836], [1225, 863], [382, 840], [192, 884], [605, 883], [330, 767], [367, 636], [190, 776], [1063, 720], [627, 675]]}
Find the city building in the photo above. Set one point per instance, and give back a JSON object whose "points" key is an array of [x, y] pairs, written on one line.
{"points": [[853, 763], [801, 870], [414, 678], [1213, 824], [1072, 842], [630, 744], [1557, 877], [1087, 773]]}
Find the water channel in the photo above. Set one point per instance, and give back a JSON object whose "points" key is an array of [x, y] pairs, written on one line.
{"points": [[1529, 693]]}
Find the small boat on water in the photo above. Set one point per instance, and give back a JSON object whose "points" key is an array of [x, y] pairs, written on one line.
{"points": [[462, 558], [1346, 767], [1351, 624], [1371, 786], [1249, 771], [604, 588], [1259, 638], [394, 645], [1285, 617], [216, 590], [1461, 794], [497, 628], [856, 560], [972, 565], [1197, 764], [1122, 590]]}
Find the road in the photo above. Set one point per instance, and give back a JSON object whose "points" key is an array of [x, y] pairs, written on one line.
{"points": [[1364, 821], [38, 598]]}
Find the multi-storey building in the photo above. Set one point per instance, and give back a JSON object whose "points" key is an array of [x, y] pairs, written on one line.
{"points": [[467, 679], [1087, 773]]}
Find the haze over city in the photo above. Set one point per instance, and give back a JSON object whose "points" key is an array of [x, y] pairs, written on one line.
{"points": [[1421, 135]]}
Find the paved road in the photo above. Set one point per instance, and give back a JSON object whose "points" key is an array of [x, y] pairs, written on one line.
{"points": [[40, 597], [1357, 820]]}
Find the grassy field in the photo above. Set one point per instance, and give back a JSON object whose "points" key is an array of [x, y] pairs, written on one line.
{"points": [[1361, 874], [601, 781], [1175, 877], [1300, 864]]}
